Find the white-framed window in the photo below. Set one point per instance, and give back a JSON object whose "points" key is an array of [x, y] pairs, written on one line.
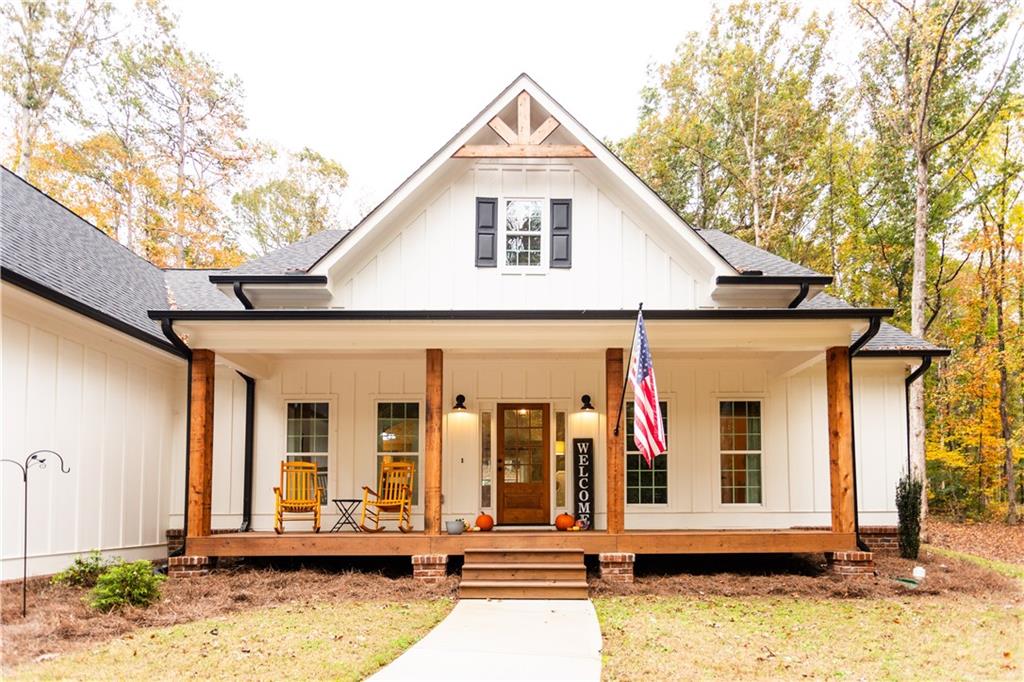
{"points": [[646, 484], [308, 437], [740, 451], [523, 242], [398, 437]]}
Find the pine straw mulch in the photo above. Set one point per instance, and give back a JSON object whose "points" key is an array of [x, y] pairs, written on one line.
{"points": [[990, 540], [59, 620], [806, 576]]}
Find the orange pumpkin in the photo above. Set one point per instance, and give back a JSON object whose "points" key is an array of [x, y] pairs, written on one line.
{"points": [[564, 521], [484, 522]]}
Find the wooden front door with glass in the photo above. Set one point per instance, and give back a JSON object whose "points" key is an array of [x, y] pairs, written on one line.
{"points": [[523, 488]]}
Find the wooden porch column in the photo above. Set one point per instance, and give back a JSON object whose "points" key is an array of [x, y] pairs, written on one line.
{"points": [[200, 444], [840, 438], [615, 454], [432, 452]]}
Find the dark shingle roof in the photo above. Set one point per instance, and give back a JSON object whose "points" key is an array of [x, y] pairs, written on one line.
{"points": [[46, 243], [746, 257], [295, 258], [889, 338], [192, 290]]}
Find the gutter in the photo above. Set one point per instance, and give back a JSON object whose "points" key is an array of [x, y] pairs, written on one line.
{"points": [[296, 314], [774, 280], [872, 331], [250, 418], [167, 326], [65, 301]]}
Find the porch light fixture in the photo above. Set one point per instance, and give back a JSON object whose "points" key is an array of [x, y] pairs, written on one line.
{"points": [[460, 403], [587, 406]]}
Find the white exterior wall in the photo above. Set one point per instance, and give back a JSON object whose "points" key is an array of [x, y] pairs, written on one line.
{"points": [[114, 408], [434, 250], [795, 469]]}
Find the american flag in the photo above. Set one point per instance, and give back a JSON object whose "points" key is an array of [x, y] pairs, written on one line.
{"points": [[648, 428]]}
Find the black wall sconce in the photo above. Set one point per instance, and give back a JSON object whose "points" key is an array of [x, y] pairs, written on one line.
{"points": [[586, 406], [460, 403]]}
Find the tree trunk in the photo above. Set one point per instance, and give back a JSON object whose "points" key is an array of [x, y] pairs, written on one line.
{"points": [[22, 163], [917, 322], [1004, 411]]}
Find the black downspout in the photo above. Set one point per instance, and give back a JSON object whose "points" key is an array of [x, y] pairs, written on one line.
{"points": [[873, 327], [167, 327], [926, 363], [240, 295], [250, 415], [804, 288]]}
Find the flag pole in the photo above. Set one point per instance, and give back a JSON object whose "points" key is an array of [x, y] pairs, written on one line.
{"points": [[622, 398]]}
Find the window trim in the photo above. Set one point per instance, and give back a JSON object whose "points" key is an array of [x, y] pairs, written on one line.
{"points": [[669, 399], [718, 505], [545, 236], [332, 425], [417, 504]]}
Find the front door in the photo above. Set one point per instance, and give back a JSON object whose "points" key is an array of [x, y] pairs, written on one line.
{"points": [[523, 462]]}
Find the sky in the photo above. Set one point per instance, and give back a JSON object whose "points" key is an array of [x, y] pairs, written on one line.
{"points": [[380, 86]]}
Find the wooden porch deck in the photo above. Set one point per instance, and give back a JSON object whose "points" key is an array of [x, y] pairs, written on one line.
{"points": [[591, 542]]}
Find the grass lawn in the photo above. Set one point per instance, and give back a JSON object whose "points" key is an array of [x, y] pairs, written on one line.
{"points": [[340, 641], [692, 637]]}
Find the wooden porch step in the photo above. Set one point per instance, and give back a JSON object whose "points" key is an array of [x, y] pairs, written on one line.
{"points": [[523, 574], [523, 589], [524, 571], [529, 556]]}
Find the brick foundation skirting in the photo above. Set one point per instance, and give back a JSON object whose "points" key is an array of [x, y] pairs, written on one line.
{"points": [[430, 568], [881, 539], [617, 567], [176, 537], [851, 563], [188, 566]]}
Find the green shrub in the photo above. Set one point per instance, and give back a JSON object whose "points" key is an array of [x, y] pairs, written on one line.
{"points": [[127, 584], [908, 505], [83, 571]]}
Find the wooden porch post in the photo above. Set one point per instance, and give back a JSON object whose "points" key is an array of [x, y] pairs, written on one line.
{"points": [[200, 468], [840, 438], [432, 465], [615, 454]]}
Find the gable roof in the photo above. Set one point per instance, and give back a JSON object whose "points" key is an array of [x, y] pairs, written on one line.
{"points": [[49, 249], [292, 259], [746, 257], [568, 124]]}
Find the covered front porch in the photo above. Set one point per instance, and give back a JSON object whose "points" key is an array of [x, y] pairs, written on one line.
{"points": [[797, 447]]}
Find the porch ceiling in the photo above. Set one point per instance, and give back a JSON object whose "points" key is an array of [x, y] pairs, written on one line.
{"points": [[259, 335]]}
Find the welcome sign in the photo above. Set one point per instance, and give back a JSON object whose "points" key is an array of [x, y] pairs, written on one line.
{"points": [[583, 480]]}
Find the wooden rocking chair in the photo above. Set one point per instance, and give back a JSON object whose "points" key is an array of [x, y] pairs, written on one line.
{"points": [[392, 499], [299, 493]]}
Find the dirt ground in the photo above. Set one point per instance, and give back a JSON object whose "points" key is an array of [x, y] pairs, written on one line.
{"points": [[59, 620], [806, 576], [990, 540]]}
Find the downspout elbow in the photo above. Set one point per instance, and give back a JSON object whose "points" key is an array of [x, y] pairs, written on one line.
{"points": [[240, 295], [801, 295]]}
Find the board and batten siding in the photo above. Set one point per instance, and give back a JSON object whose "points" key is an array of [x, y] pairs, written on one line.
{"points": [[113, 407], [425, 258], [795, 459]]}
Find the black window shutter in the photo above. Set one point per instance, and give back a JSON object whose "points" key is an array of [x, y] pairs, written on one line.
{"points": [[486, 232], [561, 233]]}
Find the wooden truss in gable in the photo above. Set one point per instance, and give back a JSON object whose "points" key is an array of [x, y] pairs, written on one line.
{"points": [[524, 141]]}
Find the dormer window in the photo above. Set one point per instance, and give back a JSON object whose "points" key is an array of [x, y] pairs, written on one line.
{"points": [[523, 232]]}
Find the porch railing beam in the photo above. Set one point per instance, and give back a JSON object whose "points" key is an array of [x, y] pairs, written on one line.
{"points": [[840, 438], [200, 470], [614, 453], [432, 453]]}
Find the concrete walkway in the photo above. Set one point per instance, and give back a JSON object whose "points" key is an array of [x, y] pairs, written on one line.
{"points": [[506, 639]]}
